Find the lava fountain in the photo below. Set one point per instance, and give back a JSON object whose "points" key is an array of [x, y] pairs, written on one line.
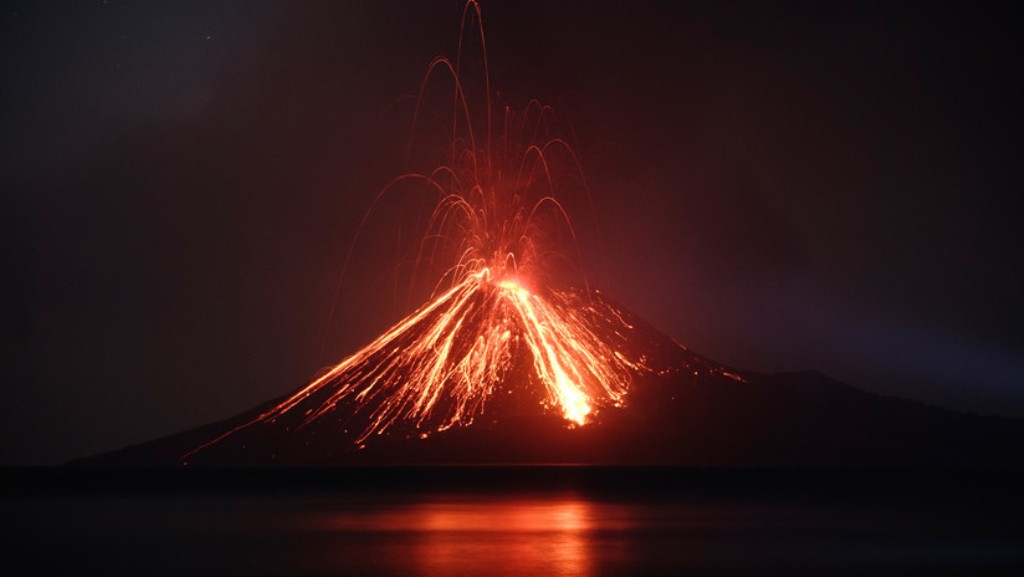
{"points": [[494, 331]]}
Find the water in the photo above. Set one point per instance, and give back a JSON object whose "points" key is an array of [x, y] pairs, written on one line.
{"points": [[506, 530]]}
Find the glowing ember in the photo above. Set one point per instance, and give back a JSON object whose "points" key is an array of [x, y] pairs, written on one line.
{"points": [[490, 334]]}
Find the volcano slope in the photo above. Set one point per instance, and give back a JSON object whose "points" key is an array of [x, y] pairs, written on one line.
{"points": [[678, 408]]}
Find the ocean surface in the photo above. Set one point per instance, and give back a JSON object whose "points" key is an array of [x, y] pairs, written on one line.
{"points": [[512, 521]]}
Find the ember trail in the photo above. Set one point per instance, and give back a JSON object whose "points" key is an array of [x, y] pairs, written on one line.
{"points": [[495, 332]]}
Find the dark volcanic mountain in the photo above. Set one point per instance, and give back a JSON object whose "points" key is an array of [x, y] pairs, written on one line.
{"points": [[682, 410]]}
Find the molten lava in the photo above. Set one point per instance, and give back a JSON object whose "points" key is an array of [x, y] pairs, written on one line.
{"points": [[493, 332], [440, 366]]}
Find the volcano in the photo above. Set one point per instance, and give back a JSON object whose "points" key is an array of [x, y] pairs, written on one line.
{"points": [[506, 362], [678, 409]]}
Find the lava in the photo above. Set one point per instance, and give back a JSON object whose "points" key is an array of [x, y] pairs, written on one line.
{"points": [[496, 223]]}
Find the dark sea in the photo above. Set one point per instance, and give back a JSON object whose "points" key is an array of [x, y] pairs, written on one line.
{"points": [[553, 521]]}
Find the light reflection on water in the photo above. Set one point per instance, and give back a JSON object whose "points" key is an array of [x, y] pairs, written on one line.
{"points": [[516, 535], [502, 533], [526, 537]]}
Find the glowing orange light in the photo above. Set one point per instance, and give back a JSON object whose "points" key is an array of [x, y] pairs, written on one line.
{"points": [[547, 534], [443, 364]]}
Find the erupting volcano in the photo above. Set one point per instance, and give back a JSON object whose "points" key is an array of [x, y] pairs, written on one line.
{"points": [[448, 362], [514, 357], [494, 334]]}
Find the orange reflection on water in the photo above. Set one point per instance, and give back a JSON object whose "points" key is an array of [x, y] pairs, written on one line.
{"points": [[548, 535]]}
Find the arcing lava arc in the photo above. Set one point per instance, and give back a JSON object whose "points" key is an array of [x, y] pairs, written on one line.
{"points": [[495, 336]]}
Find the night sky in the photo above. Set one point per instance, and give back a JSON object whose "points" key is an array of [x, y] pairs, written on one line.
{"points": [[827, 188]]}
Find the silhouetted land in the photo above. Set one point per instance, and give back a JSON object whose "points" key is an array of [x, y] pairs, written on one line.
{"points": [[794, 419], [633, 482], [686, 410]]}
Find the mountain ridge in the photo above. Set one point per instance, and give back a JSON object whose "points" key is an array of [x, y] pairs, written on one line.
{"points": [[797, 418]]}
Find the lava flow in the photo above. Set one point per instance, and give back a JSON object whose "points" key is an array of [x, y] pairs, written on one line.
{"points": [[494, 332]]}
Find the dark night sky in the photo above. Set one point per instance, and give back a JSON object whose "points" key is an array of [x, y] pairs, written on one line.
{"points": [[778, 189]]}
